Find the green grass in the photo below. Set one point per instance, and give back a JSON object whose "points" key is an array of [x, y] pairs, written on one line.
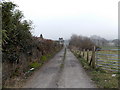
{"points": [[108, 60], [84, 63], [35, 65], [43, 58], [109, 47], [48, 55], [104, 80]]}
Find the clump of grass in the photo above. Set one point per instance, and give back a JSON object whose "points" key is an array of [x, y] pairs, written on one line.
{"points": [[48, 55], [62, 65], [64, 54], [43, 58], [35, 65], [105, 80], [84, 63], [16, 73]]}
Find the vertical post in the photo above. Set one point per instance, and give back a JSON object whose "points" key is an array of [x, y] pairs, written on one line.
{"points": [[83, 53], [93, 58], [87, 55], [1, 46], [79, 53], [118, 36]]}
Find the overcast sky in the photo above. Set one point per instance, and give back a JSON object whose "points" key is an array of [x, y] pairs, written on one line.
{"points": [[62, 18]]}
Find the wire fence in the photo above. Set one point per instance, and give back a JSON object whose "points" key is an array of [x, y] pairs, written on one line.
{"points": [[107, 59]]}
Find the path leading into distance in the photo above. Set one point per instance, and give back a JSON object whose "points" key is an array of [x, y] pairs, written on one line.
{"points": [[61, 73]]}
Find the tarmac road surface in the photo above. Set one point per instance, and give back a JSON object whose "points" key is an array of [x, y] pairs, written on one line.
{"points": [[61, 73]]}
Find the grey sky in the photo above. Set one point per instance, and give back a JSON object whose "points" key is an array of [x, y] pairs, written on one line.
{"points": [[62, 18]]}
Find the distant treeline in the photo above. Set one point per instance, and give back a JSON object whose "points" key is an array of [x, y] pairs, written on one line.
{"points": [[81, 42]]}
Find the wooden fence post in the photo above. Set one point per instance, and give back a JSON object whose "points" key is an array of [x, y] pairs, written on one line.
{"points": [[93, 58], [83, 53], [87, 55], [80, 54]]}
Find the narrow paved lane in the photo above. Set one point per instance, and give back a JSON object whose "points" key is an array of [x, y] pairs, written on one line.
{"points": [[47, 75], [73, 75], [61, 73]]}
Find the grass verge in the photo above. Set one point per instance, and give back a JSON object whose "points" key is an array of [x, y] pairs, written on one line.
{"points": [[18, 80], [102, 78]]}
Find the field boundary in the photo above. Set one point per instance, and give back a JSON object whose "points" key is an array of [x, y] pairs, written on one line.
{"points": [[106, 59]]}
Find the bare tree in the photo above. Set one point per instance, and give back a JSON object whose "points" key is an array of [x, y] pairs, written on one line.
{"points": [[81, 42]]}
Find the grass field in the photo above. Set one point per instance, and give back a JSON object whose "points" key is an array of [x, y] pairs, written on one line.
{"points": [[107, 58]]}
